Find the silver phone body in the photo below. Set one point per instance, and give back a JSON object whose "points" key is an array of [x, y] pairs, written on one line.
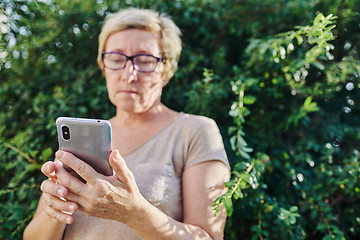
{"points": [[87, 139]]}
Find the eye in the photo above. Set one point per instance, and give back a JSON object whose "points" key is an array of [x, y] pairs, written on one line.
{"points": [[144, 60], [116, 58]]}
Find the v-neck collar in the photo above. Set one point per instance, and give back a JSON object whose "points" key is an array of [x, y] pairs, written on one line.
{"points": [[155, 135]]}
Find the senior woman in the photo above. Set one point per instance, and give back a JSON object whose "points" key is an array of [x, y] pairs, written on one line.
{"points": [[168, 166]]}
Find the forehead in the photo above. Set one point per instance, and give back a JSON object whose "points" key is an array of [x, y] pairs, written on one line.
{"points": [[133, 39]]}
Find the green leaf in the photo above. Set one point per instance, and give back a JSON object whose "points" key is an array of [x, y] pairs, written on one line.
{"points": [[310, 106], [321, 227], [329, 237], [238, 194], [228, 206], [248, 99], [46, 154], [318, 19], [318, 65], [294, 209]]}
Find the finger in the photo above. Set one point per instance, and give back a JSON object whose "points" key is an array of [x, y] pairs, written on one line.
{"points": [[60, 205], [60, 216], [50, 187], [59, 209], [119, 166], [67, 180], [70, 196], [57, 190], [48, 169], [80, 167]]}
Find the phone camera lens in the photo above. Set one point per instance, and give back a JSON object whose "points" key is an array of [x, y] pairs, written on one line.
{"points": [[65, 132]]}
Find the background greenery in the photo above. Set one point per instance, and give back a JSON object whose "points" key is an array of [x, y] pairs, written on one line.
{"points": [[285, 97]]}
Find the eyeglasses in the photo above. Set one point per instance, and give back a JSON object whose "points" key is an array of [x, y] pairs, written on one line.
{"points": [[142, 62]]}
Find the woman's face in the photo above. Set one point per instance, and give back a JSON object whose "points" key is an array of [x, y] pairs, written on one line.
{"points": [[128, 89]]}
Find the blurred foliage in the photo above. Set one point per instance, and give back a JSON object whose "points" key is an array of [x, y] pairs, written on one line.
{"points": [[281, 78]]}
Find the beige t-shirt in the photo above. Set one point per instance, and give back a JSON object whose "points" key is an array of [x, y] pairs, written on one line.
{"points": [[158, 166]]}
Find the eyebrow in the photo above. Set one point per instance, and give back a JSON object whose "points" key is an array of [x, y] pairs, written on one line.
{"points": [[140, 52], [115, 50]]}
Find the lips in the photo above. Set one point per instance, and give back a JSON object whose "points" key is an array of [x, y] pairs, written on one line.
{"points": [[128, 92]]}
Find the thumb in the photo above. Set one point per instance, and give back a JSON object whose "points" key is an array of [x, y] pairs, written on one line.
{"points": [[48, 169], [117, 162]]}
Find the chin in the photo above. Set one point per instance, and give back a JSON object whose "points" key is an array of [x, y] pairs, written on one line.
{"points": [[126, 107], [124, 104], [129, 108]]}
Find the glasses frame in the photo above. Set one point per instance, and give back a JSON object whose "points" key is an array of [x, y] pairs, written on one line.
{"points": [[131, 58]]}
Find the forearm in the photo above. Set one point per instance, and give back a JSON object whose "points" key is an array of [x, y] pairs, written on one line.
{"points": [[154, 224], [42, 226]]}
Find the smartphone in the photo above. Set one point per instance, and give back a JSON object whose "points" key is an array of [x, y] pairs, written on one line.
{"points": [[88, 140]]}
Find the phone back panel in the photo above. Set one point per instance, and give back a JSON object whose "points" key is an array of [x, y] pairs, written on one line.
{"points": [[89, 140]]}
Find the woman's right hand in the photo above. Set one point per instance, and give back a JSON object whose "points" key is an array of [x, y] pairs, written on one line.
{"points": [[54, 195]]}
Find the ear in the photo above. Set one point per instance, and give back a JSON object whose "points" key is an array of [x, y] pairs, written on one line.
{"points": [[165, 82]]}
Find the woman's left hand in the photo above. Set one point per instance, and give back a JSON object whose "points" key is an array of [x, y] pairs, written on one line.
{"points": [[115, 197]]}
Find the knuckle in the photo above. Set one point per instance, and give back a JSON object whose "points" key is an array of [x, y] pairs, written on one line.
{"points": [[50, 202], [45, 168], [130, 175], [80, 168], [103, 187], [92, 204], [56, 215], [50, 212], [89, 207], [67, 182], [42, 186]]}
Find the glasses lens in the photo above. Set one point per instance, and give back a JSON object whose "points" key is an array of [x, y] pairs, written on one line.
{"points": [[144, 63], [114, 60]]}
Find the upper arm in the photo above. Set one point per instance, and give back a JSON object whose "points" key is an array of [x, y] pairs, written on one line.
{"points": [[202, 184]]}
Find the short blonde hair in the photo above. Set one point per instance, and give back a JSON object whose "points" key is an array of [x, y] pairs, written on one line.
{"points": [[170, 42]]}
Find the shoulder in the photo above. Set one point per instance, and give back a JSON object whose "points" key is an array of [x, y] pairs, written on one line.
{"points": [[204, 140], [196, 121], [200, 129]]}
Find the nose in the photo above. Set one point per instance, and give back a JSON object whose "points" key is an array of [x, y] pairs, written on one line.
{"points": [[129, 72], [130, 63]]}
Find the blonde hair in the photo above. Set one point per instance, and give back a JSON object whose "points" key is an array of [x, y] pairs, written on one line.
{"points": [[170, 41]]}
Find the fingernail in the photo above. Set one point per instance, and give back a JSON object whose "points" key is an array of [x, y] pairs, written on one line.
{"points": [[71, 208], [117, 155], [59, 154], [60, 192]]}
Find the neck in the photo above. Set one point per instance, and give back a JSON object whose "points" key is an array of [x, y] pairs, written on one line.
{"points": [[159, 111]]}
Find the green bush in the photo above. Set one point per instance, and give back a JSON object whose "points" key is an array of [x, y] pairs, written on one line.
{"points": [[280, 78]]}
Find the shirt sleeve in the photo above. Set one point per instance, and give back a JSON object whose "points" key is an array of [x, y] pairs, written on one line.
{"points": [[206, 143]]}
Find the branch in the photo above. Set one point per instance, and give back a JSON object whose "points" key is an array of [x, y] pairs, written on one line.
{"points": [[24, 155]]}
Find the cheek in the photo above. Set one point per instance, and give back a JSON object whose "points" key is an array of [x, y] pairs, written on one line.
{"points": [[153, 86], [151, 80], [108, 74], [158, 75], [111, 78], [164, 74], [110, 85], [152, 90]]}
